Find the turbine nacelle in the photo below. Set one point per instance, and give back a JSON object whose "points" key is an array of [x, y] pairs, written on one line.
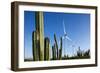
{"points": [[65, 34], [66, 37]]}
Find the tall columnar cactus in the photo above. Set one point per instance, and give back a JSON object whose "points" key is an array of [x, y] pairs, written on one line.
{"points": [[56, 45], [41, 46], [57, 53], [79, 52], [46, 48], [40, 33], [60, 50], [54, 52], [34, 47]]}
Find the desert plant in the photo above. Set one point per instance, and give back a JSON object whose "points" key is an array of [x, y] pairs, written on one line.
{"points": [[60, 50], [87, 53], [79, 52], [53, 52], [46, 48], [40, 33], [34, 47], [57, 53], [56, 46]]}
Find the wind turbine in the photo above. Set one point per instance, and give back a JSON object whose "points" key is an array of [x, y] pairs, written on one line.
{"points": [[65, 34], [65, 37]]}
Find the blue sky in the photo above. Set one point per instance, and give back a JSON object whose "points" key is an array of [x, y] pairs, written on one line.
{"points": [[77, 27]]}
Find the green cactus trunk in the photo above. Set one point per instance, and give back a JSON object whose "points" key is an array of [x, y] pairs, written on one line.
{"points": [[46, 48], [60, 50], [56, 45], [40, 45], [34, 48], [53, 52], [40, 34]]}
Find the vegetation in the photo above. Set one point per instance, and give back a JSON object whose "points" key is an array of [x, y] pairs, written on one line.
{"points": [[57, 53], [41, 45], [46, 48], [79, 55]]}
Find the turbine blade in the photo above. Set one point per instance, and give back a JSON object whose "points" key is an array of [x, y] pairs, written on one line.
{"points": [[64, 27], [68, 38]]}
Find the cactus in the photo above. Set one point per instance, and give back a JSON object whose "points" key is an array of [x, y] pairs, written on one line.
{"points": [[57, 53], [53, 52], [56, 46], [60, 50], [53, 55], [79, 52], [40, 45], [40, 34], [34, 48], [46, 48]]}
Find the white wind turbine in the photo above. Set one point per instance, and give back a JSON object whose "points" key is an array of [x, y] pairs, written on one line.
{"points": [[65, 37]]}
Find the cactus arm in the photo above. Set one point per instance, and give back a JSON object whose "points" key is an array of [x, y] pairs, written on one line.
{"points": [[34, 48]]}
